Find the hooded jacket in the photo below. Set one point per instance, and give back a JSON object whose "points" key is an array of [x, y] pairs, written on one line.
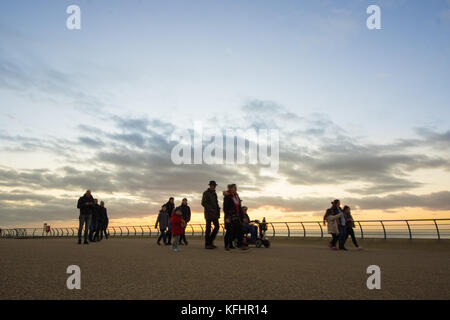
{"points": [[163, 220]]}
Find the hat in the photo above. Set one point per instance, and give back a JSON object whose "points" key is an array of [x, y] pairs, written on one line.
{"points": [[213, 183]]}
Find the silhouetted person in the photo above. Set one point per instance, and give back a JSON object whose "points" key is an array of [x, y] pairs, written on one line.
{"points": [[350, 224], [212, 214], [163, 222], [232, 211], [102, 222], [170, 206], [333, 217], [85, 204], [186, 212], [94, 228]]}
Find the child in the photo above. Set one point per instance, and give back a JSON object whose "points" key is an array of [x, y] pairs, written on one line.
{"points": [[178, 224], [163, 221]]}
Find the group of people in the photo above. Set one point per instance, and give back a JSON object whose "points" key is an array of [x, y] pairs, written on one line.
{"points": [[340, 225], [93, 217], [172, 222], [236, 219]]}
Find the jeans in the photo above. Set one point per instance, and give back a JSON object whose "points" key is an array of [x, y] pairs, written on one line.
{"points": [[169, 234], [342, 236], [162, 235], [176, 240], [210, 236], [246, 228], [334, 239], [85, 219], [352, 234], [93, 229]]}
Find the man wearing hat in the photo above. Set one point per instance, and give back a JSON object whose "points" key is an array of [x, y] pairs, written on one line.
{"points": [[212, 214]]}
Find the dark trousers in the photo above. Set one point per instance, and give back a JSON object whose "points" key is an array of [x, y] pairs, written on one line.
{"points": [[85, 220], [334, 239], [352, 234], [234, 231], [342, 236], [183, 237], [210, 236], [162, 235], [169, 235]]}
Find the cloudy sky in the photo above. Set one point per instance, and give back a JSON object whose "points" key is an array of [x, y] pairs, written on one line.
{"points": [[363, 115]]}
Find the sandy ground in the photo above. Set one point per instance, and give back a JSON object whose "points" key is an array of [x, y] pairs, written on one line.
{"points": [[290, 269]]}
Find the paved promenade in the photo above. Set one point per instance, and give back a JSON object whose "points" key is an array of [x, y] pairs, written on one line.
{"points": [[290, 269]]}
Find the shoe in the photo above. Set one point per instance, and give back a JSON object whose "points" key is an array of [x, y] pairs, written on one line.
{"points": [[359, 248], [86, 242], [330, 245], [344, 249], [79, 241], [181, 244], [334, 248], [232, 247], [176, 249], [186, 243], [227, 249], [243, 247], [209, 246], [169, 243], [157, 242]]}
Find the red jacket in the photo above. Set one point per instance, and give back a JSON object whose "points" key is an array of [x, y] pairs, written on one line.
{"points": [[176, 224]]}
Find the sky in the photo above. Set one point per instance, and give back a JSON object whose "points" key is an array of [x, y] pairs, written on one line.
{"points": [[363, 115]]}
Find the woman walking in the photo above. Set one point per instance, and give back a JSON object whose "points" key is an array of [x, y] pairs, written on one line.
{"points": [[332, 219], [233, 218], [350, 224]]}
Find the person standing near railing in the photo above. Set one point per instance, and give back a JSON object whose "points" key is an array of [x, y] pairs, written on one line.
{"points": [[103, 221], [170, 205], [350, 224], [85, 204], [332, 219], [186, 211], [212, 214], [163, 222]]}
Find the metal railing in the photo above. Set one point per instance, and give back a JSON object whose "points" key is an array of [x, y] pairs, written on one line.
{"points": [[384, 229]]}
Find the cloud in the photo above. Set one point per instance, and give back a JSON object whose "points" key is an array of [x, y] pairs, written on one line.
{"points": [[129, 164]]}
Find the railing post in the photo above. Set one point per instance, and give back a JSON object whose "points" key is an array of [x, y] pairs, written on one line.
{"points": [[273, 234], [360, 228], [437, 229], [128, 231], [289, 230], [201, 226], [149, 231], [384, 229], [120, 228], [142, 229], [73, 232], [304, 230], [409, 230], [321, 229], [34, 232], [134, 231], [192, 229], [114, 229]]}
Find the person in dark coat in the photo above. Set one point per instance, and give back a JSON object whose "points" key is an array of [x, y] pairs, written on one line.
{"points": [[233, 218], [103, 224], [85, 204], [170, 206], [350, 224], [186, 212], [163, 222], [212, 214], [94, 227]]}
